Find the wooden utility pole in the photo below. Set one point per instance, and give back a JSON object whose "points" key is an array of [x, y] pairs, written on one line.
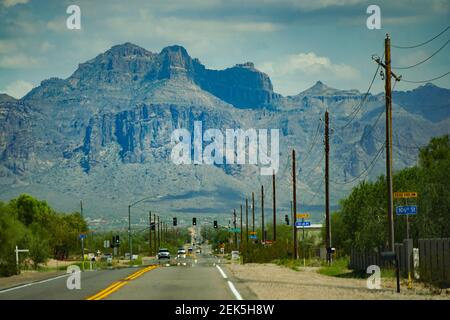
{"points": [[274, 208], [263, 237], [246, 219], [154, 233], [150, 231], [235, 233], [241, 228], [81, 208], [387, 53], [294, 203], [253, 211], [327, 189], [159, 235], [388, 100]]}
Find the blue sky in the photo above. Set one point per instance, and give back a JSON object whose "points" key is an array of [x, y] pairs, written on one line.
{"points": [[295, 42]]}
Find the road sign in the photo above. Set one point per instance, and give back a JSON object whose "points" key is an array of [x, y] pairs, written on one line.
{"points": [[400, 195], [252, 232], [253, 236], [303, 215], [302, 223], [82, 236], [235, 230], [403, 210]]}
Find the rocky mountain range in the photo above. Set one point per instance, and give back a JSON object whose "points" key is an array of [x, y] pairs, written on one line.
{"points": [[103, 135]]}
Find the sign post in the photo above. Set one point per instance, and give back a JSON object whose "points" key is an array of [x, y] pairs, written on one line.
{"points": [[406, 210], [17, 250]]}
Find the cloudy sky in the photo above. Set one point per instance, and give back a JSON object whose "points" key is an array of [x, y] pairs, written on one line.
{"points": [[296, 42]]}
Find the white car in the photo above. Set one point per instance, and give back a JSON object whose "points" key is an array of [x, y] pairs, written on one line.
{"points": [[181, 253]]}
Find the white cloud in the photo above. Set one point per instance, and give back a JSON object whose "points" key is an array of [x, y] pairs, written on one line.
{"points": [[18, 88], [18, 61], [291, 72], [12, 3]]}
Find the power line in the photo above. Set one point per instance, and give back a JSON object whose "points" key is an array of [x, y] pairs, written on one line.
{"points": [[370, 167], [425, 60], [308, 153], [429, 80], [314, 167], [421, 44], [362, 101]]}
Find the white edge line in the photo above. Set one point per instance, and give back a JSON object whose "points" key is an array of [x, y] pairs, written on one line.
{"points": [[33, 283], [235, 292], [221, 272]]}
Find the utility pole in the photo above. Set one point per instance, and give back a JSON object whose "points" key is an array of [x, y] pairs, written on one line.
{"points": [[129, 232], [262, 215], [159, 235], [274, 208], [235, 233], [387, 53], [241, 227], [150, 231], [154, 233], [81, 208], [294, 203], [246, 219], [388, 100], [327, 189], [253, 211]]}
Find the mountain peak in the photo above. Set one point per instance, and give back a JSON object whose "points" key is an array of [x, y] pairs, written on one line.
{"points": [[321, 89], [127, 49]]}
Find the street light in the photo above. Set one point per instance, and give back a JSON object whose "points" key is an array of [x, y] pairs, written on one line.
{"points": [[129, 223]]}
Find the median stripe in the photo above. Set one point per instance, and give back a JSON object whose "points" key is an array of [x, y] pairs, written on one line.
{"points": [[119, 284]]}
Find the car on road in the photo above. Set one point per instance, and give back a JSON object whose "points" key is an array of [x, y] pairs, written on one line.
{"points": [[107, 257], [163, 253], [181, 253]]}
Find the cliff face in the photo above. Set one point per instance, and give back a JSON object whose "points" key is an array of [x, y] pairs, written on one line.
{"points": [[103, 134]]}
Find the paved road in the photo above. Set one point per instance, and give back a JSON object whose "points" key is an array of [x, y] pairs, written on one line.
{"points": [[202, 278], [56, 288], [200, 281]]}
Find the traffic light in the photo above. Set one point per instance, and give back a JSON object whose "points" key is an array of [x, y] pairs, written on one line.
{"points": [[194, 221], [117, 243], [215, 224], [174, 221], [113, 242], [286, 218]]}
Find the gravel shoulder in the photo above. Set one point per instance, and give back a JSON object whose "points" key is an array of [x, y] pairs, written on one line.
{"points": [[270, 281]]}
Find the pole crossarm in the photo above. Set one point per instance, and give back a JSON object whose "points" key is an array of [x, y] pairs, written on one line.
{"points": [[378, 60]]}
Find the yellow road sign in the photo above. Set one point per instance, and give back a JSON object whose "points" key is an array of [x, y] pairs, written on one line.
{"points": [[400, 195], [252, 232], [303, 215]]}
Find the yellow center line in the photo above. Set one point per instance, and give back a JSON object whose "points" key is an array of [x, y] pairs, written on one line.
{"points": [[119, 284]]}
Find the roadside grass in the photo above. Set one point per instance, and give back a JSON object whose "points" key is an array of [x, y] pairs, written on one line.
{"points": [[339, 268]]}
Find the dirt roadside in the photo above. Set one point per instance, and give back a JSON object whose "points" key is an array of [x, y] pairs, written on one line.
{"points": [[270, 281]]}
